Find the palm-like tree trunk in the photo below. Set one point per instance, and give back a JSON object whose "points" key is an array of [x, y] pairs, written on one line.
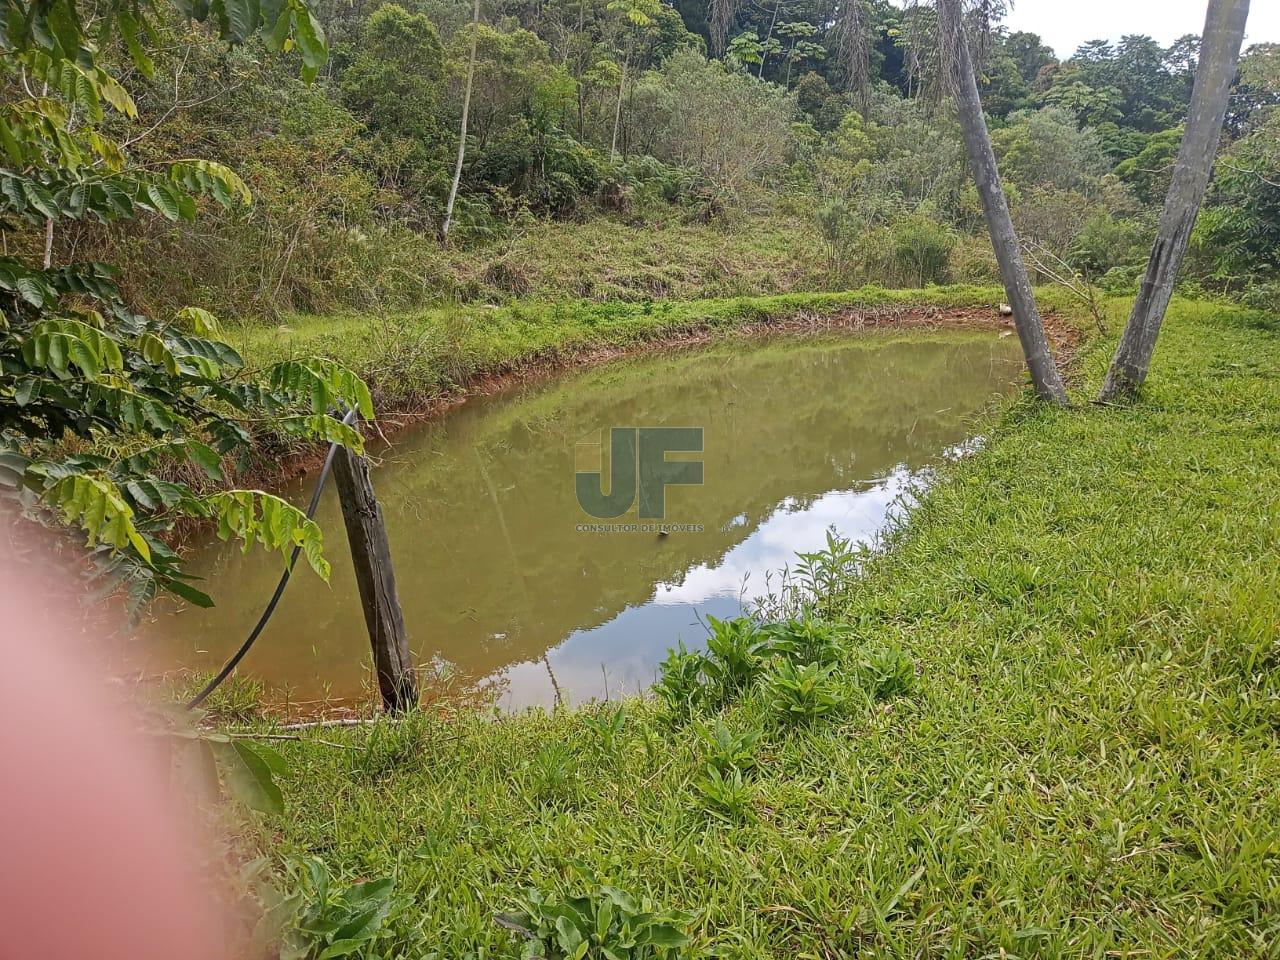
{"points": [[1219, 51], [462, 136], [1035, 346]]}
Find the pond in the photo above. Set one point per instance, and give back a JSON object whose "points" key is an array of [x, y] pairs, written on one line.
{"points": [[512, 592]]}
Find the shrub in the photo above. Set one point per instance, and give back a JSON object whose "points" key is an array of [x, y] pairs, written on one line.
{"points": [[726, 796], [973, 261], [886, 673], [802, 694], [808, 640], [1106, 242], [680, 685], [736, 653], [321, 918], [551, 774], [728, 751], [607, 725], [1262, 296], [913, 251], [838, 227]]}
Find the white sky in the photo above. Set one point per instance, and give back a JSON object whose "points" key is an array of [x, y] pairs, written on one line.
{"points": [[1065, 24]]}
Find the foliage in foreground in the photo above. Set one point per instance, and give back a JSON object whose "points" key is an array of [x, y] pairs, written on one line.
{"points": [[104, 412], [1085, 762]]}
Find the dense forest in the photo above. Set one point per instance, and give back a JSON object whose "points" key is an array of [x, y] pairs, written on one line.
{"points": [[613, 148]]}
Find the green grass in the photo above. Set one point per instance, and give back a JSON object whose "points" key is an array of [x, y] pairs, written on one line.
{"points": [[1086, 764], [411, 357]]}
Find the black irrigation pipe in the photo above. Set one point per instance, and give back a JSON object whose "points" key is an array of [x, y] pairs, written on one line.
{"points": [[270, 608]]}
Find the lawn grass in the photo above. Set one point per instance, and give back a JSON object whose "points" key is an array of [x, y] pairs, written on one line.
{"points": [[1086, 764]]}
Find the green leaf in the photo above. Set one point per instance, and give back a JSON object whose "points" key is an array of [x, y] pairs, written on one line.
{"points": [[98, 506], [205, 457], [202, 322], [340, 948], [256, 517], [323, 384], [115, 95], [248, 776], [154, 350], [13, 467], [129, 30], [188, 593], [241, 18], [310, 38], [163, 200], [665, 937]]}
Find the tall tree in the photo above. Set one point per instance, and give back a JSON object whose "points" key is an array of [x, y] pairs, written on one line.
{"points": [[634, 16], [995, 208], [1219, 51], [462, 135], [852, 34], [721, 19]]}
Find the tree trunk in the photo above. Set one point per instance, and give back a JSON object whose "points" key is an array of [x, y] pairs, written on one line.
{"points": [[617, 113], [371, 556], [1035, 346], [1219, 51], [462, 137], [764, 57]]}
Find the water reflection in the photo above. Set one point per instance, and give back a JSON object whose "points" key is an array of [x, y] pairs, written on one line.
{"points": [[501, 587], [622, 656]]}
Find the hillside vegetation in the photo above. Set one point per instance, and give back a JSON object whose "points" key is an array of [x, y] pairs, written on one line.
{"points": [[631, 149]]}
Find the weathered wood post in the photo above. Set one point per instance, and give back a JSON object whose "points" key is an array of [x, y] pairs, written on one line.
{"points": [[371, 556]]}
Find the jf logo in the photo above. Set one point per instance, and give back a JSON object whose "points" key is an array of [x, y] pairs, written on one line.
{"points": [[639, 464]]}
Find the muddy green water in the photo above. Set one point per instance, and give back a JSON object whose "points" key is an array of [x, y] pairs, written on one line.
{"points": [[505, 595]]}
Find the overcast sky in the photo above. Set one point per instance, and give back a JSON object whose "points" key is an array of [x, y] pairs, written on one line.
{"points": [[1065, 24]]}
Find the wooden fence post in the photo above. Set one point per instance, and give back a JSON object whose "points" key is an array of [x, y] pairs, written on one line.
{"points": [[371, 555]]}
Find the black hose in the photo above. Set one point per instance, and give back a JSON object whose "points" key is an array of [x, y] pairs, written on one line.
{"points": [[270, 608]]}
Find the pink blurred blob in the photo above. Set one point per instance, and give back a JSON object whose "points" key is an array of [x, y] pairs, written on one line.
{"points": [[95, 859]]}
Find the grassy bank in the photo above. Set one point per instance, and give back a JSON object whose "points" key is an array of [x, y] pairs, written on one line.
{"points": [[414, 357], [1082, 761]]}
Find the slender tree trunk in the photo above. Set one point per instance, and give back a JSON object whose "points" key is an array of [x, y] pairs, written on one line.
{"points": [[462, 137], [617, 113], [764, 57], [1035, 346], [1219, 51]]}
